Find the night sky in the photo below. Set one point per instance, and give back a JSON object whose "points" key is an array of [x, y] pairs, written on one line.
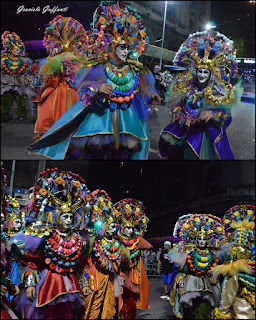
{"points": [[233, 18]]}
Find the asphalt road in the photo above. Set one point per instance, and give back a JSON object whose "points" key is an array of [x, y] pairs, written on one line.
{"points": [[159, 308], [18, 135]]}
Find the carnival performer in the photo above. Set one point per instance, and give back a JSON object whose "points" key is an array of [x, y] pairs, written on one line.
{"points": [[14, 65], [110, 119], [238, 288], [15, 222], [57, 253], [133, 225], [65, 41], [201, 100], [195, 292], [108, 258], [7, 286]]}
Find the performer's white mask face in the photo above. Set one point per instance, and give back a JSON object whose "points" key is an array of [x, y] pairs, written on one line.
{"points": [[122, 51], [66, 220], [201, 242], [203, 75], [112, 228], [128, 231], [17, 224]]}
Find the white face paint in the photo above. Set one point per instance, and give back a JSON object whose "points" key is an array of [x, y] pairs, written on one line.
{"points": [[128, 231], [202, 75], [122, 51], [112, 228], [66, 220], [17, 224], [201, 242]]}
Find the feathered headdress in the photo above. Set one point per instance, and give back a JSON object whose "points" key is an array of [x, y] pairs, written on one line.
{"points": [[131, 213], [117, 23], [239, 227], [12, 41], [58, 192], [100, 210], [206, 225], [239, 223], [65, 34], [13, 212], [208, 49]]}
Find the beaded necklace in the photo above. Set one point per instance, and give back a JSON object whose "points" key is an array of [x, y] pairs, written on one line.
{"points": [[13, 66], [133, 246], [107, 255], [124, 81], [201, 263], [61, 255]]}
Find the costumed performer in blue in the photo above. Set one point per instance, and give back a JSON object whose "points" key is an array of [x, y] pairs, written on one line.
{"points": [[110, 119], [56, 252], [15, 222], [201, 100]]}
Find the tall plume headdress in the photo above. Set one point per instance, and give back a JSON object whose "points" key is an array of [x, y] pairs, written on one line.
{"points": [[12, 41], [100, 211], [208, 49], [206, 225], [65, 34], [239, 227], [59, 192], [116, 23], [131, 213]]}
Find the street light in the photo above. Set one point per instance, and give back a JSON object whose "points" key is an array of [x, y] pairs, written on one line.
{"points": [[162, 45], [209, 26]]}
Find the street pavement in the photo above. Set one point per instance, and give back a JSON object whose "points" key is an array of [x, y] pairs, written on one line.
{"points": [[18, 135], [159, 308]]}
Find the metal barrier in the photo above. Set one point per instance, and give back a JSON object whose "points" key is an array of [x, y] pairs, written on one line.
{"points": [[151, 269]]}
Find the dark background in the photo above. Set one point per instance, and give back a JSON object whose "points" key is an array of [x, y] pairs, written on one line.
{"points": [[235, 19]]}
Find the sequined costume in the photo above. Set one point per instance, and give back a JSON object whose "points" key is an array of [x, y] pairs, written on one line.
{"points": [[6, 261], [193, 292], [238, 289], [103, 126], [55, 259], [131, 214], [14, 66], [108, 258], [65, 41], [189, 135]]}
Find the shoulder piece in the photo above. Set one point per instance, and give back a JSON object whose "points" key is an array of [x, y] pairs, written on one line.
{"points": [[39, 230]]}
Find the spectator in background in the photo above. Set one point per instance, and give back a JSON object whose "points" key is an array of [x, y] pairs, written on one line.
{"points": [[158, 253], [167, 267], [145, 256], [158, 85]]}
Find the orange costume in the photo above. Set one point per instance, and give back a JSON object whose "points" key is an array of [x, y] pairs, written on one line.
{"points": [[131, 214], [65, 41], [53, 100]]}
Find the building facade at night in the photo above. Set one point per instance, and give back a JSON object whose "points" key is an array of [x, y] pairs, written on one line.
{"points": [[182, 18]]}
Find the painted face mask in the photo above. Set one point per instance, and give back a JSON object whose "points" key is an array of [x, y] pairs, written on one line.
{"points": [[66, 220], [122, 51], [17, 224], [201, 242], [128, 232], [112, 228], [203, 75]]}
